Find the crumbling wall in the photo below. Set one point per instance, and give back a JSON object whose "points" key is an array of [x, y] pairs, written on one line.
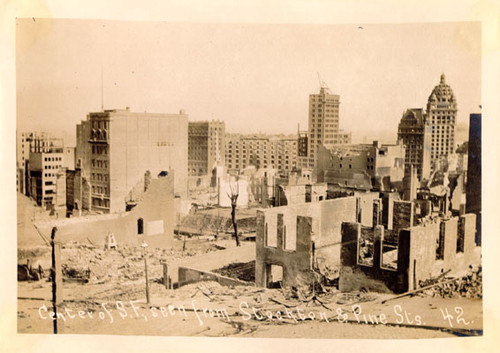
{"points": [[295, 194], [327, 241], [332, 213], [417, 260], [421, 252], [366, 204], [356, 276], [156, 210], [296, 263], [326, 219], [403, 214], [388, 208]]}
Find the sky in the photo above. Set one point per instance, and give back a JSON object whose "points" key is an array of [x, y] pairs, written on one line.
{"points": [[255, 77]]}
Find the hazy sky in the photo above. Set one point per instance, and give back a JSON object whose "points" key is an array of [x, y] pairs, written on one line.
{"points": [[254, 77]]}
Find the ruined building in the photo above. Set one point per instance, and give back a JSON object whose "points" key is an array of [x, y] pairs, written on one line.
{"points": [[374, 166], [363, 241], [152, 219], [293, 240], [399, 260]]}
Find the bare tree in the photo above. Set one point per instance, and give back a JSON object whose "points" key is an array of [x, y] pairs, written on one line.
{"points": [[234, 199]]}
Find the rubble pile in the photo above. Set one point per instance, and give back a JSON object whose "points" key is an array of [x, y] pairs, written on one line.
{"points": [[95, 265], [468, 286], [28, 253]]}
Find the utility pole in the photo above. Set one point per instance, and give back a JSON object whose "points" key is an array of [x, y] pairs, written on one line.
{"points": [[56, 276]]}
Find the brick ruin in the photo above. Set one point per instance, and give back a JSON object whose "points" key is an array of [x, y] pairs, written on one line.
{"points": [[368, 243], [294, 240]]}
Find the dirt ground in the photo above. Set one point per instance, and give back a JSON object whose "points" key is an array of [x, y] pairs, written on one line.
{"points": [[114, 302]]}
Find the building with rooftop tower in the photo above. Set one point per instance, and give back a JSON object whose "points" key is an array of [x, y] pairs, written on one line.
{"points": [[441, 116]]}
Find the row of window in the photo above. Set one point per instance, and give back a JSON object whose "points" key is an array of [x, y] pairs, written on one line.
{"points": [[52, 159], [57, 166], [244, 165], [100, 202], [100, 149], [99, 124], [100, 190], [99, 177], [96, 163]]}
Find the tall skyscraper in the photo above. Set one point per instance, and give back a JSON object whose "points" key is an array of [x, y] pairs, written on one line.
{"points": [[324, 123], [441, 115], [122, 147], [415, 134]]}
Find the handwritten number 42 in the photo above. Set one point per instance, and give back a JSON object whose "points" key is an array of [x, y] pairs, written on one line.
{"points": [[459, 319]]}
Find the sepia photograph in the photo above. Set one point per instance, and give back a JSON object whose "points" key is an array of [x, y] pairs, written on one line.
{"points": [[248, 180], [249, 176]]}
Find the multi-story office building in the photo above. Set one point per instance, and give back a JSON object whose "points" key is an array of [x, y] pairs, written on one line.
{"points": [[414, 132], [441, 116], [324, 124], [44, 176], [262, 151], [206, 141], [120, 147], [28, 142]]}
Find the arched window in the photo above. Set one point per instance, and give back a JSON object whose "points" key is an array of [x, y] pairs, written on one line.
{"points": [[140, 226]]}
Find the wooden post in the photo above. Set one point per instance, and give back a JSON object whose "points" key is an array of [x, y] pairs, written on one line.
{"points": [[144, 254], [165, 276], [56, 274], [146, 271]]}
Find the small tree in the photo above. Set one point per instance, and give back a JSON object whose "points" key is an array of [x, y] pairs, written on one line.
{"points": [[234, 199]]}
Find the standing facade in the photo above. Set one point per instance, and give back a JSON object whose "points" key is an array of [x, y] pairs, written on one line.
{"points": [[206, 142]]}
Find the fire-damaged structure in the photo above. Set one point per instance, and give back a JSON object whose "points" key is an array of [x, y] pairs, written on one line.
{"points": [[293, 242], [399, 260], [366, 242]]}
